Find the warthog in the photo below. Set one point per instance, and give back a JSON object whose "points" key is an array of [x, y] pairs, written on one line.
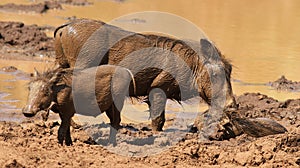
{"points": [[164, 68], [53, 90]]}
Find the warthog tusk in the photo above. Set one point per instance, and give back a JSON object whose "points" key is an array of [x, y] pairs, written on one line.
{"points": [[46, 115]]}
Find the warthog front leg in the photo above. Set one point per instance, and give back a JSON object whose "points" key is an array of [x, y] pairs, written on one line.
{"points": [[53, 107], [157, 103], [64, 130]]}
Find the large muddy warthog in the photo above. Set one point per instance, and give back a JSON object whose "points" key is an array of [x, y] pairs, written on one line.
{"points": [[163, 67], [53, 90]]}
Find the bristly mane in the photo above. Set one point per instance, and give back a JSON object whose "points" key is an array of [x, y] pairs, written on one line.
{"points": [[49, 73], [46, 75], [189, 53]]}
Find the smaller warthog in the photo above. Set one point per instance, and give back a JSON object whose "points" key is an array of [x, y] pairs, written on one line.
{"points": [[63, 90]]}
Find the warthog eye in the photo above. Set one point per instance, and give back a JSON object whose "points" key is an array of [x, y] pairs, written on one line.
{"points": [[47, 92]]}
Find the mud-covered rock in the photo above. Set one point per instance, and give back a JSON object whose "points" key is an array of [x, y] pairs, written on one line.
{"points": [[283, 84]]}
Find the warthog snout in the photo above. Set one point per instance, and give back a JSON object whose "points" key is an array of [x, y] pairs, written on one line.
{"points": [[29, 112]]}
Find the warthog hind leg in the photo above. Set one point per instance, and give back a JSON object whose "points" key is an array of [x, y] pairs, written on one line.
{"points": [[115, 118]]}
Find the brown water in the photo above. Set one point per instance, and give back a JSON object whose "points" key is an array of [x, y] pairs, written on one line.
{"points": [[260, 37]]}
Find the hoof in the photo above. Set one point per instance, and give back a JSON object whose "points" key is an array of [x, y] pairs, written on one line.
{"points": [[61, 141], [211, 132], [69, 143], [158, 123]]}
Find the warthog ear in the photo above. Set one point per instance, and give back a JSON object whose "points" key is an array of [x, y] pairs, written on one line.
{"points": [[36, 72], [56, 76], [208, 49]]}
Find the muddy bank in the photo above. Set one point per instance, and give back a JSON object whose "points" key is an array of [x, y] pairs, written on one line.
{"points": [[42, 6], [16, 38], [32, 8], [33, 143], [75, 2]]}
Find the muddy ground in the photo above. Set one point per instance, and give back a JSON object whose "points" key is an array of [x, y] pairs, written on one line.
{"points": [[33, 143]]}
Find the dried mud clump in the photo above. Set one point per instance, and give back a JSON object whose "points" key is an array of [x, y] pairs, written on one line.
{"points": [[254, 105], [283, 84], [36, 8], [18, 38]]}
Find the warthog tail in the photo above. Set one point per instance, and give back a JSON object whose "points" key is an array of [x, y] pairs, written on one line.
{"points": [[133, 81], [60, 27]]}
